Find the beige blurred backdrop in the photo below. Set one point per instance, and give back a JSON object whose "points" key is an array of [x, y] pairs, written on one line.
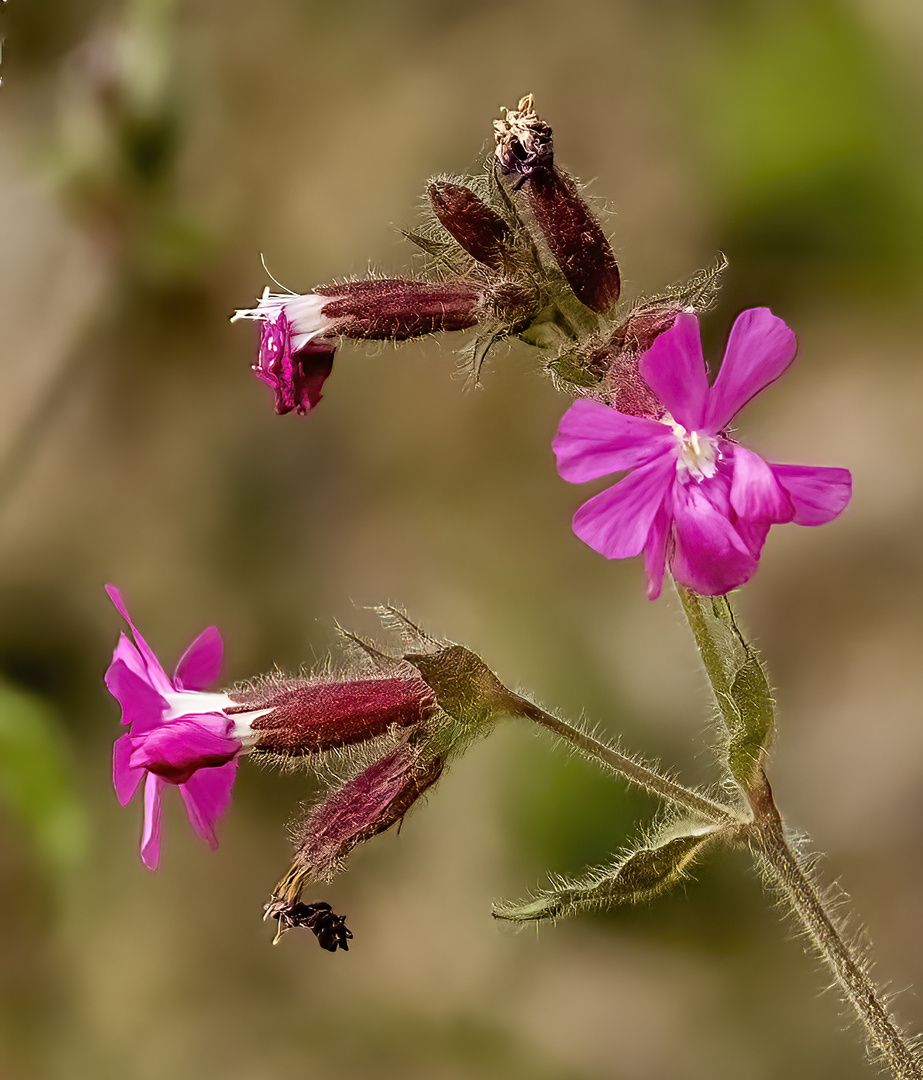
{"points": [[150, 151]]}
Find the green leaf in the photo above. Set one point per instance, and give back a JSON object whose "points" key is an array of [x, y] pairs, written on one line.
{"points": [[640, 875], [739, 681], [36, 779]]}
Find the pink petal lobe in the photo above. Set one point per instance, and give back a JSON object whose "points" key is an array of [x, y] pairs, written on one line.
{"points": [[760, 348], [595, 440], [142, 705], [174, 751], [709, 556], [820, 494], [125, 779], [150, 838], [207, 795], [200, 664], [674, 368], [655, 552], [617, 522], [756, 494], [156, 674]]}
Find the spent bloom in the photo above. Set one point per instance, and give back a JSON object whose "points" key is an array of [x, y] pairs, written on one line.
{"points": [[693, 497], [178, 734]]}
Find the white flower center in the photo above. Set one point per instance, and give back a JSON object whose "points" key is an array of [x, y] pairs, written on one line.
{"points": [[304, 313], [198, 702], [698, 454]]}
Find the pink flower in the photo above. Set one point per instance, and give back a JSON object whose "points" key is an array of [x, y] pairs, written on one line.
{"points": [[177, 734], [292, 361], [693, 497]]}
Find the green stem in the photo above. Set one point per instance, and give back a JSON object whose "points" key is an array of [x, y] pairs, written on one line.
{"points": [[784, 870], [747, 709], [642, 775]]}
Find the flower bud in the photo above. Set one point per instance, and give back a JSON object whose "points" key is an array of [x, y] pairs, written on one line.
{"points": [[474, 225], [616, 359], [370, 803], [305, 716], [568, 226]]}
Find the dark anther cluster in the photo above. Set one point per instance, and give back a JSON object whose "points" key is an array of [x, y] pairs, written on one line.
{"points": [[328, 927]]}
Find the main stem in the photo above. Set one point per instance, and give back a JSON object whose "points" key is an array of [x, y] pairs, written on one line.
{"points": [[784, 870], [642, 775], [779, 864]]}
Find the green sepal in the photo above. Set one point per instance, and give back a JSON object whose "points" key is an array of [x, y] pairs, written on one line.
{"points": [[739, 681], [640, 875], [464, 685]]}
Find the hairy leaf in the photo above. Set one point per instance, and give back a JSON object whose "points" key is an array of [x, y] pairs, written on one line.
{"points": [[640, 875]]}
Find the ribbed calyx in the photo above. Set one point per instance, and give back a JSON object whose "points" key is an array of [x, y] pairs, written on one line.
{"points": [[308, 716]]}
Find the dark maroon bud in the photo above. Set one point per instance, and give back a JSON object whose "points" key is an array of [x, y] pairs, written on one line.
{"points": [[573, 235], [616, 359], [329, 928], [306, 716], [575, 239], [362, 808], [472, 223], [394, 309]]}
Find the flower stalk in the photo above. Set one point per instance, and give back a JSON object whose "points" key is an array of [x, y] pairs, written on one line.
{"points": [[644, 776]]}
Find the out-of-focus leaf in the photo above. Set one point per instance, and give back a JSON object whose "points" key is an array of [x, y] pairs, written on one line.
{"points": [[36, 779], [642, 874]]}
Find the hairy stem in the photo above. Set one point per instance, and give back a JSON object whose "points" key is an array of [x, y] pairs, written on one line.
{"points": [[783, 869], [642, 775]]}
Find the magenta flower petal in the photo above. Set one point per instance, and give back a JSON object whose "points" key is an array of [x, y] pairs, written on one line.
{"points": [[820, 494], [200, 664], [760, 348], [756, 494], [177, 735], [157, 676], [150, 838], [175, 751], [674, 368], [207, 795], [142, 705], [125, 779], [709, 556], [656, 550], [595, 440], [617, 522]]}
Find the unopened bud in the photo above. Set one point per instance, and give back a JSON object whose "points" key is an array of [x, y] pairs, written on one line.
{"points": [[361, 808], [302, 716], [569, 228], [472, 223], [616, 359]]}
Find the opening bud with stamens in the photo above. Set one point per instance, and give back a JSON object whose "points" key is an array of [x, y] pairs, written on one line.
{"points": [[525, 150]]}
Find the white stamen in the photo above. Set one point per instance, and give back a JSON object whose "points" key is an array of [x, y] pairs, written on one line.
{"points": [[698, 455]]}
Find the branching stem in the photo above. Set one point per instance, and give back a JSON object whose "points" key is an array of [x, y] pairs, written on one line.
{"points": [[643, 775]]}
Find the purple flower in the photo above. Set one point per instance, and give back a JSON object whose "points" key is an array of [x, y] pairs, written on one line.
{"points": [[693, 497], [177, 733]]}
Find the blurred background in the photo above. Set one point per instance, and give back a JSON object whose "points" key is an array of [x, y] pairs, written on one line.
{"points": [[150, 151]]}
